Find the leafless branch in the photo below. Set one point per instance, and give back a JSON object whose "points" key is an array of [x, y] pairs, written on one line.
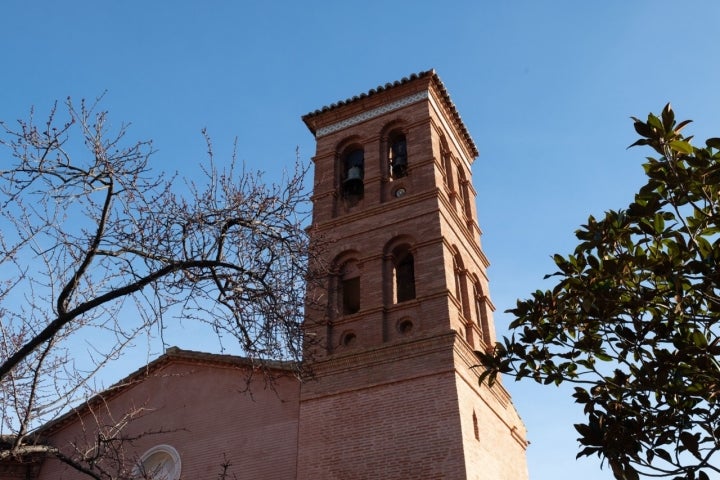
{"points": [[85, 225]]}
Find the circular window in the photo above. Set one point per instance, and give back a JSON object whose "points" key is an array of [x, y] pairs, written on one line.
{"points": [[348, 339], [405, 326], [159, 463]]}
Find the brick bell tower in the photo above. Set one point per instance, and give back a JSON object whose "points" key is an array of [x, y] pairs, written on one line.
{"points": [[393, 327]]}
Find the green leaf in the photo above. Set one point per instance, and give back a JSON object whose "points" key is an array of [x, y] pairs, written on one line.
{"points": [[713, 142], [604, 357], [704, 246], [690, 442], [642, 141], [593, 262], [699, 339], [659, 223], [663, 454], [634, 315], [682, 125], [681, 146], [642, 128], [655, 123], [668, 118]]}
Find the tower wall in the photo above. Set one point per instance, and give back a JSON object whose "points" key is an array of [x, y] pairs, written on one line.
{"points": [[387, 413], [392, 328]]}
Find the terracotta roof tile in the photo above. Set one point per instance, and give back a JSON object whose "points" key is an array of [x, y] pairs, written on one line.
{"points": [[381, 88]]}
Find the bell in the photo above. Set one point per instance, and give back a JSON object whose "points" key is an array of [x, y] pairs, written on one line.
{"points": [[353, 184], [399, 166], [354, 174]]}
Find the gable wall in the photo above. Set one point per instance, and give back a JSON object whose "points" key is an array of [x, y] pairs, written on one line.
{"points": [[209, 414]]}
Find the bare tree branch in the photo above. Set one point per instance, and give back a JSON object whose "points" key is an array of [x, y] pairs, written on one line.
{"points": [[86, 225]]}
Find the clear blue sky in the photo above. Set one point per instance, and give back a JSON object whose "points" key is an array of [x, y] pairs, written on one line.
{"points": [[545, 88]]}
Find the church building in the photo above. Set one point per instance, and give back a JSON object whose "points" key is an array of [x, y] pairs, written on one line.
{"points": [[391, 332]]}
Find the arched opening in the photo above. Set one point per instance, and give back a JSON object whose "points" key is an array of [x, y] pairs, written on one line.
{"points": [[460, 284], [446, 159], [477, 300], [482, 315], [404, 274], [348, 339], [458, 277], [397, 155], [479, 309], [353, 173], [349, 289], [161, 461], [464, 191]]}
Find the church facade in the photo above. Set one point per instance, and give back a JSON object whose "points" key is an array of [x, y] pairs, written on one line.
{"points": [[391, 331]]}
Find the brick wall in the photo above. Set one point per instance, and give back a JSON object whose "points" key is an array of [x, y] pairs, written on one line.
{"points": [[209, 414], [401, 403]]}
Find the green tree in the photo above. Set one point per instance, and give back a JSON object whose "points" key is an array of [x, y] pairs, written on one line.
{"points": [[633, 319]]}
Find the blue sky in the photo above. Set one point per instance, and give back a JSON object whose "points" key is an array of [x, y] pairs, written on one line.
{"points": [[545, 88]]}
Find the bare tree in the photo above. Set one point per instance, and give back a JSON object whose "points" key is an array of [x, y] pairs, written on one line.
{"points": [[93, 244]]}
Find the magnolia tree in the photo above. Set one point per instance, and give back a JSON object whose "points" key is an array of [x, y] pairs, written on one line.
{"points": [[94, 245], [633, 318]]}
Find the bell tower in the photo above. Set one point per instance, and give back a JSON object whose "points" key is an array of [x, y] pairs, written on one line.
{"points": [[393, 327]]}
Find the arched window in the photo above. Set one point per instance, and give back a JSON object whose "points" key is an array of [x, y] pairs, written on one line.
{"points": [[404, 273], [161, 461], [460, 287], [477, 300], [349, 289], [464, 193], [397, 155], [458, 277], [446, 160], [353, 172], [482, 307]]}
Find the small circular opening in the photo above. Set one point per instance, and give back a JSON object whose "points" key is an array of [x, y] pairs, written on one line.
{"points": [[405, 327], [349, 339]]}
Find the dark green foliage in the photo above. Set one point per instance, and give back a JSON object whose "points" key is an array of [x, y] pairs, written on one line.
{"points": [[633, 318]]}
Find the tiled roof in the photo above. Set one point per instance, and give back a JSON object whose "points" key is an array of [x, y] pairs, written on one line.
{"points": [[381, 88], [173, 353]]}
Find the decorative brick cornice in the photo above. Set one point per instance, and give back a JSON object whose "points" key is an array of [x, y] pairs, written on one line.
{"points": [[377, 209], [370, 114], [311, 119], [389, 353]]}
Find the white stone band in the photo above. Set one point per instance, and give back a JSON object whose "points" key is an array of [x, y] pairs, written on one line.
{"points": [[376, 112]]}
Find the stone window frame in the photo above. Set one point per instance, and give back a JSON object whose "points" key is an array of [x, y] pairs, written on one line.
{"points": [[171, 459]]}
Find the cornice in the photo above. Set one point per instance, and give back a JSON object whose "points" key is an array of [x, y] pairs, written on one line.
{"points": [[377, 209], [370, 114], [313, 120], [390, 353]]}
